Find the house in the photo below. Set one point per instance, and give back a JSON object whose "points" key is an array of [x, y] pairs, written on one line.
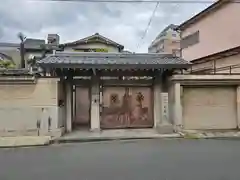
{"points": [[32, 48], [211, 39], [93, 43], [168, 41], [38, 48]]}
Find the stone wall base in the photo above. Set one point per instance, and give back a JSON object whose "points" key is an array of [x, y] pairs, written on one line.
{"points": [[165, 129], [33, 132]]}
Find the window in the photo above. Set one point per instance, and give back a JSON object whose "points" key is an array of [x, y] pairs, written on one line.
{"points": [[174, 35], [190, 40]]}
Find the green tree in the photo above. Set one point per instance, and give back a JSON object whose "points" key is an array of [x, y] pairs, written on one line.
{"points": [[7, 64]]}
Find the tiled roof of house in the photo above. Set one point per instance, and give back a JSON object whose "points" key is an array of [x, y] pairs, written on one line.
{"points": [[96, 37], [112, 60]]}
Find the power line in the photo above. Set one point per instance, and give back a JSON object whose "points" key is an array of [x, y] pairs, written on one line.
{"points": [[148, 25], [142, 1]]}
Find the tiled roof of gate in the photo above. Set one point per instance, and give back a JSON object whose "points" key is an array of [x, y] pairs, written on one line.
{"points": [[79, 59]]}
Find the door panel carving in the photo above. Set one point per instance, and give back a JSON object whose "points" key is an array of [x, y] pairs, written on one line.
{"points": [[126, 107]]}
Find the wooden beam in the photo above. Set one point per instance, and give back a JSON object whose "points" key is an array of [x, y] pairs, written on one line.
{"points": [[115, 82], [112, 73], [120, 73]]}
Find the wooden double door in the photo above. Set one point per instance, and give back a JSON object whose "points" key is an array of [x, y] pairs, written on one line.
{"points": [[120, 107], [126, 107]]}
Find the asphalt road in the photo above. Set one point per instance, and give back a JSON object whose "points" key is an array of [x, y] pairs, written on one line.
{"points": [[126, 160]]}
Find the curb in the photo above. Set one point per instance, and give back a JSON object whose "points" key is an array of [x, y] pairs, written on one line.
{"points": [[24, 141], [62, 141], [24, 146], [106, 139], [223, 138], [196, 136], [85, 140]]}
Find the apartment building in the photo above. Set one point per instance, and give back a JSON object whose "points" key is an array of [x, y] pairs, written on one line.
{"points": [[168, 41]]}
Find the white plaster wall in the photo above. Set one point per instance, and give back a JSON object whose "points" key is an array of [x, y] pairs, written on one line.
{"points": [[23, 105]]}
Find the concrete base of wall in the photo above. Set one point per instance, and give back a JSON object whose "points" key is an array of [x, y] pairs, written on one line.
{"points": [[97, 130], [165, 129], [177, 128], [33, 132], [54, 133], [24, 141]]}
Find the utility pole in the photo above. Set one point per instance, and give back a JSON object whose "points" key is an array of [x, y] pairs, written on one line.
{"points": [[22, 49]]}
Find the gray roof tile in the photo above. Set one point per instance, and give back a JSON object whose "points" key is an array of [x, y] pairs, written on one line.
{"points": [[95, 59]]}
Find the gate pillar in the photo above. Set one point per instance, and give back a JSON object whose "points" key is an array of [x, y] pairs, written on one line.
{"points": [[177, 108], [69, 105], [161, 108], [157, 101], [95, 104]]}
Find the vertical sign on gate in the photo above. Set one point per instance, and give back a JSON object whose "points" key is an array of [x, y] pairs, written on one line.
{"points": [[164, 108]]}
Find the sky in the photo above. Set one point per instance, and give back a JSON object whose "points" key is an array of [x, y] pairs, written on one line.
{"points": [[124, 23]]}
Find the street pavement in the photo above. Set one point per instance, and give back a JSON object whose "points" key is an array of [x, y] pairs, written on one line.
{"points": [[158, 159]]}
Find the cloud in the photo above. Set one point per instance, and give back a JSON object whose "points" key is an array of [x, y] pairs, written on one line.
{"points": [[121, 22]]}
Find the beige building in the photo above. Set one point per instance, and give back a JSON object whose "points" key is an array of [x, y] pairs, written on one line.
{"points": [[211, 39], [93, 43], [168, 41], [208, 93], [205, 102]]}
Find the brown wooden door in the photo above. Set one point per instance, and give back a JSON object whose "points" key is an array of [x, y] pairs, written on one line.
{"points": [[127, 107], [82, 118]]}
